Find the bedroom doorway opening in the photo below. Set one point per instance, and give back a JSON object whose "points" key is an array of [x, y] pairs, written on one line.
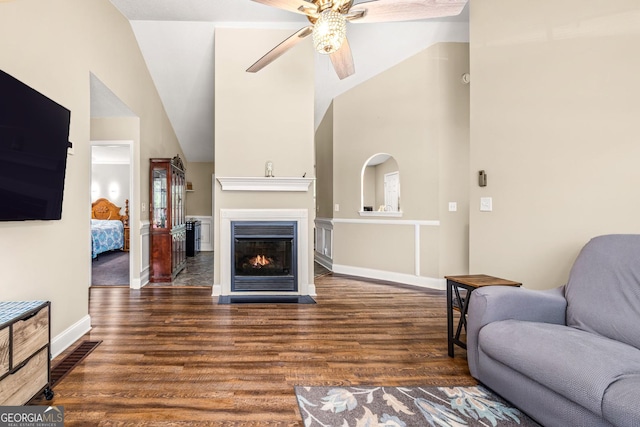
{"points": [[111, 194]]}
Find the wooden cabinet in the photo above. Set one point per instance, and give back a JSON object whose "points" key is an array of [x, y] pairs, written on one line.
{"points": [[168, 222], [24, 351]]}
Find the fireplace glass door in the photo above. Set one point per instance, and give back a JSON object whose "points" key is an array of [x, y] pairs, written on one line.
{"points": [[264, 256]]}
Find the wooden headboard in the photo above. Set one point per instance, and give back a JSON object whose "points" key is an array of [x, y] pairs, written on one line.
{"points": [[104, 209]]}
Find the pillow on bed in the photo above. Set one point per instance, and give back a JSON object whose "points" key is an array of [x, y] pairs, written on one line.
{"points": [[107, 224]]}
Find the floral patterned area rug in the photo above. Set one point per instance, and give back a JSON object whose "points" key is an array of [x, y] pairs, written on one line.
{"points": [[406, 407]]}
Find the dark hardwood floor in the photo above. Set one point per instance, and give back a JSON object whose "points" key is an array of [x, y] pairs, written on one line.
{"points": [[173, 356]]}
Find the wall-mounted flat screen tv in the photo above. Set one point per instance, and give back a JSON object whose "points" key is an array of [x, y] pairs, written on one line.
{"points": [[34, 136]]}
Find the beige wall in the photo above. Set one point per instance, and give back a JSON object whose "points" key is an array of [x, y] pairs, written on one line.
{"points": [[199, 200], [53, 47], [324, 165], [453, 167], [418, 113], [266, 115], [260, 117], [396, 113], [369, 187], [555, 102], [377, 247]]}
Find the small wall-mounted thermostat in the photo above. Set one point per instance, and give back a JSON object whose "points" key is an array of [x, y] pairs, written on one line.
{"points": [[482, 178]]}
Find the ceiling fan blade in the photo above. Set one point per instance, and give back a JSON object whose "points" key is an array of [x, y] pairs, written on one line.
{"points": [[297, 6], [404, 10], [277, 51], [342, 61]]}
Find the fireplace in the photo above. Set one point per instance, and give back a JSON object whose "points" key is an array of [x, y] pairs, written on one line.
{"points": [[264, 256], [302, 250]]}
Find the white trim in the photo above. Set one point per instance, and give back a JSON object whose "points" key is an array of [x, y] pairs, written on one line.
{"points": [[375, 160], [407, 279], [264, 184], [416, 248], [416, 279], [327, 221], [311, 289], [70, 335], [323, 260], [324, 233], [144, 265], [250, 214], [397, 214], [143, 280], [301, 216], [386, 221]]}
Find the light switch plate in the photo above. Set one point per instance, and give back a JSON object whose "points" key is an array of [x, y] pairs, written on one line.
{"points": [[453, 206], [486, 204]]}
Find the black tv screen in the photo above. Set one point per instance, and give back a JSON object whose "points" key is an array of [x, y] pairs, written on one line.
{"points": [[34, 136]]}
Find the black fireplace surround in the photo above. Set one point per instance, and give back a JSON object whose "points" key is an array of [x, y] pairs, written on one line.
{"points": [[264, 256]]}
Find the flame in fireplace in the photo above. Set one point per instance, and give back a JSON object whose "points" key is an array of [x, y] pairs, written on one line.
{"points": [[259, 261]]}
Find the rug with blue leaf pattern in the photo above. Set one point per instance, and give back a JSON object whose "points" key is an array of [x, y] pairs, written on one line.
{"points": [[406, 407]]}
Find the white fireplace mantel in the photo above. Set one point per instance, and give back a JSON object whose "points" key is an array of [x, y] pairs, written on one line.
{"points": [[287, 183]]}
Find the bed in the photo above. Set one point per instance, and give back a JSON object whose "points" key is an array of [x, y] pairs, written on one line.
{"points": [[109, 229]]}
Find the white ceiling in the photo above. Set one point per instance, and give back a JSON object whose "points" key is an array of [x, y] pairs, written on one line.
{"points": [[110, 154], [176, 40], [105, 103]]}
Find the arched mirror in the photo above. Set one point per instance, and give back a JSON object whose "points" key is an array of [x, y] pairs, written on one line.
{"points": [[380, 186]]}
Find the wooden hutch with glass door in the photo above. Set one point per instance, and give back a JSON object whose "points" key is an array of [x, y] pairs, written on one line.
{"points": [[168, 222]]}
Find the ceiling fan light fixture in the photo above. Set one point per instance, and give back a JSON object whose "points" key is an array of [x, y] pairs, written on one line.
{"points": [[329, 31]]}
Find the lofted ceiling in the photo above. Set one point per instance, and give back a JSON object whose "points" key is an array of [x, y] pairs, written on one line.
{"points": [[176, 38]]}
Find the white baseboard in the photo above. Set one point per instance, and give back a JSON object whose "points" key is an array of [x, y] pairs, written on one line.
{"points": [[391, 276], [70, 335], [142, 281], [311, 288], [323, 260]]}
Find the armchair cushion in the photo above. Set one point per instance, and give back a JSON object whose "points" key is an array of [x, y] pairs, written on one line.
{"points": [[603, 292], [575, 364], [620, 405], [493, 303]]}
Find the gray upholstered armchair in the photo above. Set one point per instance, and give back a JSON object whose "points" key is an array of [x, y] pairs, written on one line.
{"points": [[569, 355]]}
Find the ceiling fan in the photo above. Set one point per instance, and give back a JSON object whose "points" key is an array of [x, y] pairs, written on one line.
{"points": [[329, 21]]}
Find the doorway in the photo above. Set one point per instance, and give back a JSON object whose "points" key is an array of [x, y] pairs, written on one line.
{"points": [[392, 192], [111, 184]]}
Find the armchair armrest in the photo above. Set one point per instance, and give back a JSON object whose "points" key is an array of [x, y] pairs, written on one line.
{"points": [[493, 303]]}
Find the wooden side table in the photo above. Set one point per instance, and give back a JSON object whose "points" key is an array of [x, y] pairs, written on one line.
{"points": [[460, 302]]}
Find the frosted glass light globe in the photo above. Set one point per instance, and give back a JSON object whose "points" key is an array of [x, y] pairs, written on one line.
{"points": [[329, 32]]}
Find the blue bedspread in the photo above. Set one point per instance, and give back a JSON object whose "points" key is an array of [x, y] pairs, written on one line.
{"points": [[106, 235]]}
